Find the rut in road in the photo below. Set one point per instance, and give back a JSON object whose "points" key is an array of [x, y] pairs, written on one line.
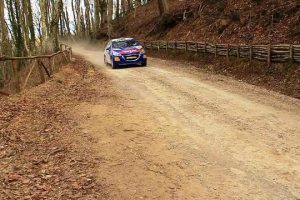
{"points": [[179, 133]]}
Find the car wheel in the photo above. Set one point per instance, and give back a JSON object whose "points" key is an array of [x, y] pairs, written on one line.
{"points": [[115, 65], [144, 64]]}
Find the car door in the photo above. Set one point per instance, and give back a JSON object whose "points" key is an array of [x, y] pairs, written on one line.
{"points": [[107, 52]]}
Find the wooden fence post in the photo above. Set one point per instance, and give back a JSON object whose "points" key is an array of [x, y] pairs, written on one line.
{"points": [[70, 53], [204, 48], [186, 46], [175, 45], [17, 76], [238, 51], [40, 67], [250, 54], [291, 53], [216, 50], [227, 52], [50, 65], [167, 45], [28, 75], [269, 56], [46, 70]]}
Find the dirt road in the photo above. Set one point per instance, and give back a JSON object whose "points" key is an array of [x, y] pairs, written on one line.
{"points": [[175, 132]]}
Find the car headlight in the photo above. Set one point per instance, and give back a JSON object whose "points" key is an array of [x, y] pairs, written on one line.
{"points": [[116, 53]]}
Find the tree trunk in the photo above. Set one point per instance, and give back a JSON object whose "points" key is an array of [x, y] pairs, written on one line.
{"points": [[5, 48], [78, 15], [103, 12], [129, 5], [31, 26], [109, 18], [74, 16], [29, 23], [67, 21], [117, 9], [163, 7], [44, 22], [87, 18], [56, 10], [15, 21], [24, 25], [97, 15], [62, 22]]}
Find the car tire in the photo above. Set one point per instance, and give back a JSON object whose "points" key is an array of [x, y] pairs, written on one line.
{"points": [[144, 64], [114, 65]]}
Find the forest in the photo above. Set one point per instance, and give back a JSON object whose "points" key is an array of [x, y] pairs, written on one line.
{"points": [[32, 27]]}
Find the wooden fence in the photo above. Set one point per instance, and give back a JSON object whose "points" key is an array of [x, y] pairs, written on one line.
{"points": [[18, 73], [266, 53]]}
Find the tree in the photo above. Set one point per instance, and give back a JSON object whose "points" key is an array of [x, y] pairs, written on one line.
{"points": [[74, 16], [67, 21], [97, 14], [44, 22], [109, 18], [14, 12], [163, 7], [117, 8], [56, 10], [28, 25], [129, 5], [103, 12], [87, 17], [4, 33]]}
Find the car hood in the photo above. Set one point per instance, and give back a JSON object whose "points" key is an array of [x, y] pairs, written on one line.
{"points": [[128, 50]]}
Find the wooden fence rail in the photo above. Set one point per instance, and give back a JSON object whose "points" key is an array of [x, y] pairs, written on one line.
{"points": [[17, 73], [266, 53]]}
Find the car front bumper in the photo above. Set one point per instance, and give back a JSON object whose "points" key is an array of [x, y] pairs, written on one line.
{"points": [[130, 59]]}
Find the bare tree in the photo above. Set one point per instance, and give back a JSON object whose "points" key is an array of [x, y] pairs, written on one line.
{"points": [[74, 16], [44, 22], [163, 7], [109, 18], [87, 18], [67, 21], [56, 10], [4, 33], [27, 25], [103, 12], [14, 12]]}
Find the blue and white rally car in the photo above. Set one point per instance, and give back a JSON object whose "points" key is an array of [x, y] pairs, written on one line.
{"points": [[124, 51]]}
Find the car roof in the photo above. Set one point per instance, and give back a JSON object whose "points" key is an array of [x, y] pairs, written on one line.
{"points": [[121, 39]]}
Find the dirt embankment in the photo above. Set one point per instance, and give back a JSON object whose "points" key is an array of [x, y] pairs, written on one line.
{"points": [[43, 153], [231, 21]]}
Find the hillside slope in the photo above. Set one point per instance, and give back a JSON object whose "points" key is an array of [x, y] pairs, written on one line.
{"points": [[232, 21]]}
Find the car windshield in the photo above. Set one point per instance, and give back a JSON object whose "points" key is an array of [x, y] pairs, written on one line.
{"points": [[125, 43]]}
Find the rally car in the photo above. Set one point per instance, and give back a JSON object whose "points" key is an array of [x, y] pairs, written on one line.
{"points": [[124, 51]]}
